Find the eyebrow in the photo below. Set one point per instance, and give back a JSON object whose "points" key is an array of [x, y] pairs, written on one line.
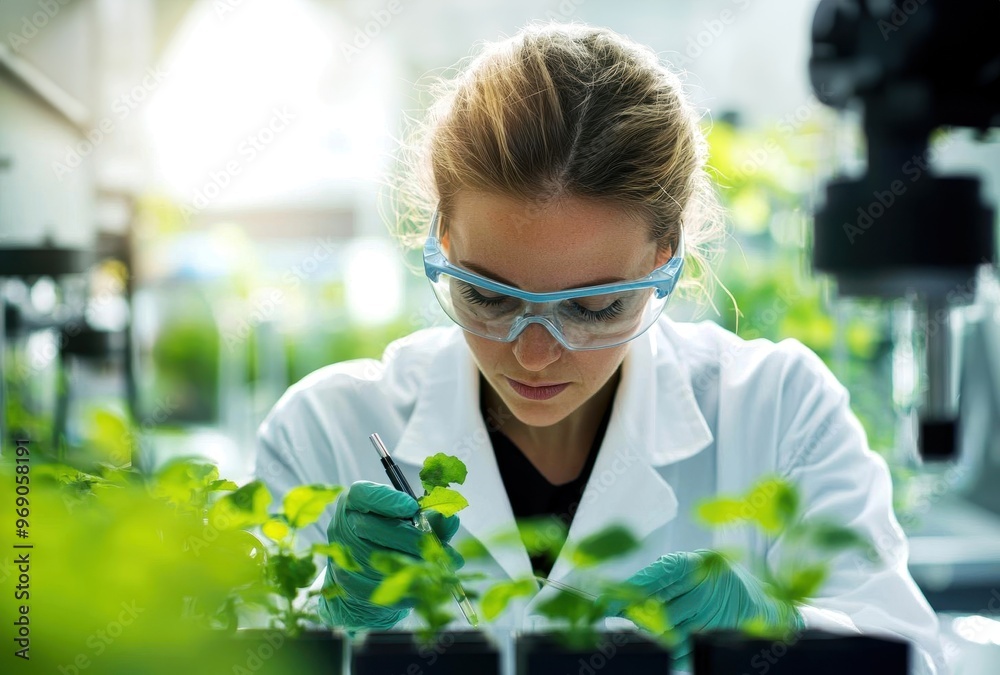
{"points": [[486, 273]]}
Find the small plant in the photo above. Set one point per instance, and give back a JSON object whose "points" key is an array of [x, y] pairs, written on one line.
{"points": [[429, 582], [576, 614], [287, 570], [438, 472], [773, 506]]}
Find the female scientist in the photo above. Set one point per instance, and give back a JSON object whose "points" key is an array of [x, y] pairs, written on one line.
{"points": [[563, 188]]}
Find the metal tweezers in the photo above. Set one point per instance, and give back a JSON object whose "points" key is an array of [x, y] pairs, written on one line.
{"points": [[564, 587]]}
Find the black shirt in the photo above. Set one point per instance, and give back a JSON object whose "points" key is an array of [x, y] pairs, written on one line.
{"points": [[530, 493]]}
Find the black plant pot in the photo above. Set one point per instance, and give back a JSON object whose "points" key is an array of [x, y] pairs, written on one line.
{"points": [[811, 651], [247, 652], [270, 652], [451, 653], [615, 653]]}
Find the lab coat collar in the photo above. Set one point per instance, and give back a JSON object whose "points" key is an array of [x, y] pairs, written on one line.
{"points": [[655, 420]]}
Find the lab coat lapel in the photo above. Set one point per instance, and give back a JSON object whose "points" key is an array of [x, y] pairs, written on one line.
{"points": [[655, 420], [447, 419]]}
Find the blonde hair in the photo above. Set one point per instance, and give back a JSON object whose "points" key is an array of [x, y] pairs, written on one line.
{"points": [[566, 109]]}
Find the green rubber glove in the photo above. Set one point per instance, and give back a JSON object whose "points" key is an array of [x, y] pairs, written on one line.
{"points": [[701, 591], [370, 517]]}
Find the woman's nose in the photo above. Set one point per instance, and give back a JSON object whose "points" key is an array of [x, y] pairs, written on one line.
{"points": [[535, 348]]}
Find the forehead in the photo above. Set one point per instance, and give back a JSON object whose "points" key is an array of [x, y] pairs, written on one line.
{"points": [[566, 243]]}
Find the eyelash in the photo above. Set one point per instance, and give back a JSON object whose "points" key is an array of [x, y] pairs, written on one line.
{"points": [[609, 312], [470, 294]]}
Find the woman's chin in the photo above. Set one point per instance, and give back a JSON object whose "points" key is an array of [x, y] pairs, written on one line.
{"points": [[537, 413]]}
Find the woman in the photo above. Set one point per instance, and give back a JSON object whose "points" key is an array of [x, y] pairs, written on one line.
{"points": [[564, 158]]}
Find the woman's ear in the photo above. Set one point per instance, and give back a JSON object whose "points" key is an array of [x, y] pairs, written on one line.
{"points": [[663, 255], [444, 239]]}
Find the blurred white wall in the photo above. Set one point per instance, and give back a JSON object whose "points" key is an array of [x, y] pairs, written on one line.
{"points": [[44, 68]]}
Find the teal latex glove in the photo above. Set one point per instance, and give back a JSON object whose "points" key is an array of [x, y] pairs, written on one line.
{"points": [[718, 595], [370, 517]]}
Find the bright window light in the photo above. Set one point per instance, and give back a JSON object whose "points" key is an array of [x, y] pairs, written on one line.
{"points": [[244, 114], [373, 282]]}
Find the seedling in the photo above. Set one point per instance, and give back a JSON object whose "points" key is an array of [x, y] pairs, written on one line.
{"points": [[438, 472], [288, 570], [427, 582], [576, 614], [773, 506]]}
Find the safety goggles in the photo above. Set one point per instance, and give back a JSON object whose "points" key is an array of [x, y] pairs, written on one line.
{"points": [[594, 317]]}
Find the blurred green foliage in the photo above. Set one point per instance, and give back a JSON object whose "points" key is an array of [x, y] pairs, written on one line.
{"points": [[773, 506], [763, 177], [308, 352], [288, 571], [186, 358], [105, 434], [124, 568]]}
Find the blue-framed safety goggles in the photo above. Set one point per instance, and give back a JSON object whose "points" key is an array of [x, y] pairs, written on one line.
{"points": [[594, 317]]}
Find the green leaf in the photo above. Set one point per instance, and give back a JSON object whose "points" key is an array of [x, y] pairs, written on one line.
{"points": [[389, 563], [543, 535], [805, 582], [245, 507], [110, 436], [67, 475], [183, 481], [650, 615], [758, 627], [471, 548], [339, 554], [773, 504], [304, 504], [442, 470], [568, 607], [276, 529], [396, 587], [332, 591], [497, 598], [433, 551], [290, 573], [721, 511], [611, 542], [222, 485], [787, 503], [834, 537], [712, 564], [443, 500]]}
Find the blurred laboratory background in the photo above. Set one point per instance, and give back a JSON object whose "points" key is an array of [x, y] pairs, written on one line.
{"points": [[194, 212]]}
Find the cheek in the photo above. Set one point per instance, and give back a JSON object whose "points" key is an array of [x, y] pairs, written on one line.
{"points": [[487, 353], [600, 364]]}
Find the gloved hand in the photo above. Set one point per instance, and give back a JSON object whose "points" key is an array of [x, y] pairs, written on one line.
{"points": [[701, 590], [370, 517]]}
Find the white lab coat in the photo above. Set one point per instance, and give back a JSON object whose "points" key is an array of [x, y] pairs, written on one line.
{"points": [[698, 411]]}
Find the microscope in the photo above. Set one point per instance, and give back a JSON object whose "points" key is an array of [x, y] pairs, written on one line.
{"points": [[902, 231]]}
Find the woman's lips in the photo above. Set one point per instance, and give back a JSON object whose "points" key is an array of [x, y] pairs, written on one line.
{"points": [[539, 393]]}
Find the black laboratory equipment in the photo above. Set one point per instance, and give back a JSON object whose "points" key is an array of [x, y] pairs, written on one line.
{"points": [[64, 344], [901, 230]]}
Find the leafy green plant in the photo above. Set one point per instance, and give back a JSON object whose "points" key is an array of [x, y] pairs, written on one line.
{"points": [[575, 615], [119, 548], [438, 472], [773, 506], [430, 581], [288, 570]]}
